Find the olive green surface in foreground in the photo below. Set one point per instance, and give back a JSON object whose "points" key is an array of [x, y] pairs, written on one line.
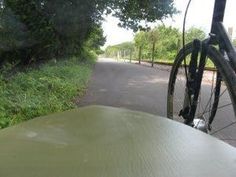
{"points": [[99, 141]]}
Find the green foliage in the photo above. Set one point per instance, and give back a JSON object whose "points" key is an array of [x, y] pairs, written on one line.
{"points": [[122, 50], [168, 42], [133, 12], [111, 51], [141, 39], [40, 30], [153, 35], [165, 41], [33, 30], [36, 30], [234, 42], [194, 33], [96, 39], [51, 88]]}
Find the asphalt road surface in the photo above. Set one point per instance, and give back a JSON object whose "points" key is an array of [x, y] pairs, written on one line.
{"points": [[141, 88]]}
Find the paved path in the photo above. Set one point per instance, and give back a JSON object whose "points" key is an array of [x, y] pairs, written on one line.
{"points": [[129, 86], [141, 88]]}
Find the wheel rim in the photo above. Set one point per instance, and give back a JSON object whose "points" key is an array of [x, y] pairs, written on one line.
{"points": [[224, 121]]}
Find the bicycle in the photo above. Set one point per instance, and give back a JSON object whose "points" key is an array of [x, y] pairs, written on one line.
{"points": [[194, 105]]}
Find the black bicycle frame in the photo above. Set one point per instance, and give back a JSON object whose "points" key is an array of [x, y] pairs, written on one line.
{"points": [[218, 29], [226, 44], [219, 37], [218, 14]]}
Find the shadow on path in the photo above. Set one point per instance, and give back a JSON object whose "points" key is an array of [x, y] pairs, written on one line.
{"points": [[129, 86]]}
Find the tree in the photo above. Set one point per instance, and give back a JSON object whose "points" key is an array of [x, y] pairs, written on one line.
{"points": [[58, 28], [194, 33], [96, 39], [163, 42], [153, 38], [133, 12], [168, 42], [140, 40], [125, 49]]}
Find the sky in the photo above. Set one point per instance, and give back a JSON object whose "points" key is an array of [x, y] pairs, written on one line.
{"points": [[199, 15]]}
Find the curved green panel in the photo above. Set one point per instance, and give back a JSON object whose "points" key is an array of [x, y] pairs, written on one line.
{"points": [[98, 141]]}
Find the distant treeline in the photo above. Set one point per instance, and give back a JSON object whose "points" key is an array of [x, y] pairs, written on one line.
{"points": [[160, 43]]}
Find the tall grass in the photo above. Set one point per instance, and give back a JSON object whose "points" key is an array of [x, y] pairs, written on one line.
{"points": [[52, 87]]}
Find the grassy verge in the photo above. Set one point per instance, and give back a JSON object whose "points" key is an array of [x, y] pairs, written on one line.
{"points": [[50, 88], [209, 64]]}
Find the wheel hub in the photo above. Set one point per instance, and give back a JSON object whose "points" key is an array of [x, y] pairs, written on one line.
{"points": [[201, 125]]}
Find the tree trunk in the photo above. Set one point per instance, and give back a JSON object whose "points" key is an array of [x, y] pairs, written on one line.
{"points": [[130, 56], [139, 55], [178, 45], [153, 50]]}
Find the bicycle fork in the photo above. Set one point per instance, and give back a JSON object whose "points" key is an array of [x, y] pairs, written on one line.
{"points": [[194, 80]]}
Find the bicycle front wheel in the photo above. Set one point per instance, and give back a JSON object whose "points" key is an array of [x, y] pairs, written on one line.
{"points": [[215, 111]]}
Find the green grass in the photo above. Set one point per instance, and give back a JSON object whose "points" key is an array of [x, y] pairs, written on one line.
{"points": [[209, 63], [51, 88]]}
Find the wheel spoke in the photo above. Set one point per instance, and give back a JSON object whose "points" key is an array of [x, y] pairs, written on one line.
{"points": [[205, 110], [208, 103], [220, 107], [216, 131], [214, 99]]}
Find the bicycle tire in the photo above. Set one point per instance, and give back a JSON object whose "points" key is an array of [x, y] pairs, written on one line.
{"points": [[222, 66]]}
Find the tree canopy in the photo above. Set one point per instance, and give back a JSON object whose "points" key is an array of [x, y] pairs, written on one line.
{"points": [[42, 29], [132, 12]]}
